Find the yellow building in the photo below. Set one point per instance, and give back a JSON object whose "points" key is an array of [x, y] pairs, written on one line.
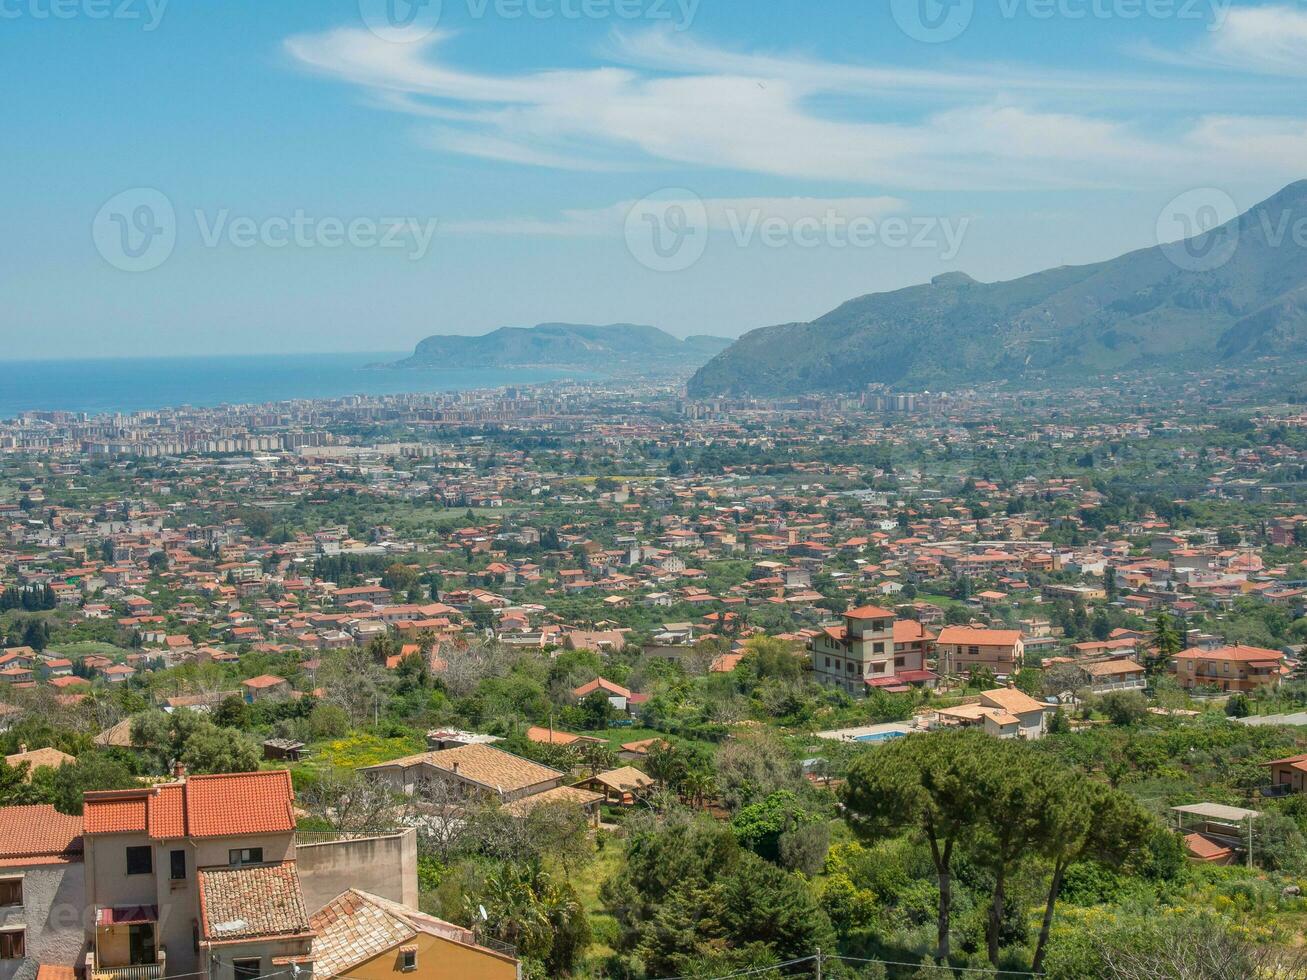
{"points": [[366, 937]]}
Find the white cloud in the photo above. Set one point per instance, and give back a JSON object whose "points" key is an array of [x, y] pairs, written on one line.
{"points": [[1266, 40], [681, 103]]}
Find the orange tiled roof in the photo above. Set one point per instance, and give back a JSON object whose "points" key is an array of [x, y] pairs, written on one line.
{"points": [[868, 612], [38, 835], [1239, 652], [202, 806]]}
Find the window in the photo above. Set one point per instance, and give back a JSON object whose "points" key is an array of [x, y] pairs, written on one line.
{"points": [[408, 959], [878, 648], [11, 891], [244, 855], [13, 945], [878, 668], [828, 661], [177, 865], [140, 860], [973, 651], [898, 661], [246, 969]]}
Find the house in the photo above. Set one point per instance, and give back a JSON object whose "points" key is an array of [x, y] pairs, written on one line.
{"points": [[621, 787], [618, 696], [468, 771], [47, 758], [865, 653], [1287, 774], [41, 875], [365, 937], [204, 875], [964, 649], [265, 687], [552, 736], [1004, 713], [1228, 668], [1114, 675]]}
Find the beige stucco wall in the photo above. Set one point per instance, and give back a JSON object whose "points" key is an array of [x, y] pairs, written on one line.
{"points": [[385, 866]]}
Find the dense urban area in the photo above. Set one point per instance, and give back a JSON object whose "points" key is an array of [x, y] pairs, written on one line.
{"points": [[594, 680]]}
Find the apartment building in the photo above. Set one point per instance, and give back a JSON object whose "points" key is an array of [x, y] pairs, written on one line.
{"points": [[1228, 668], [194, 876], [963, 649], [871, 650]]}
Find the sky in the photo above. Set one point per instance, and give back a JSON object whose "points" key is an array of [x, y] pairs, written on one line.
{"points": [[251, 176]]}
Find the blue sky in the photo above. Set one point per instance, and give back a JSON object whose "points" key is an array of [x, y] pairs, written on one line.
{"points": [[495, 164]]}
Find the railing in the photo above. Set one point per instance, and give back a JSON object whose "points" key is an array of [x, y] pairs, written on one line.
{"points": [[151, 971], [496, 946], [141, 971], [307, 837]]}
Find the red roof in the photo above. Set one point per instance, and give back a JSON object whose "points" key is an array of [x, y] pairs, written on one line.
{"points": [[202, 806], [38, 835], [869, 612], [264, 680], [1239, 652]]}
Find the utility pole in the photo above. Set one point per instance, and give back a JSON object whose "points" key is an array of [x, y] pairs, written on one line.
{"points": [[818, 963]]}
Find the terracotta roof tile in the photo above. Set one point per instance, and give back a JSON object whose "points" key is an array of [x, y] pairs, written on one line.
{"points": [[38, 835], [251, 903], [202, 806], [483, 764]]}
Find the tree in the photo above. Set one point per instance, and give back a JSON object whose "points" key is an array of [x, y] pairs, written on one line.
{"points": [[1124, 707], [92, 771], [753, 767], [1167, 642], [1090, 822], [929, 784], [210, 749]]}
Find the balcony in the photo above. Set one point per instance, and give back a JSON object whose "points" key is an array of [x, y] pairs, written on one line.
{"points": [[140, 971], [126, 945]]}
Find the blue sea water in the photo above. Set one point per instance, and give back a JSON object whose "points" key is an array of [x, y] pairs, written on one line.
{"points": [[141, 384]]}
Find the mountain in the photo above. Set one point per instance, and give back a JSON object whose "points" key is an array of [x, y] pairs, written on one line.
{"points": [[615, 348], [1174, 305]]}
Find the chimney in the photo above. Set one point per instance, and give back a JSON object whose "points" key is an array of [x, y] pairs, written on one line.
{"points": [[1011, 685], [178, 770], [455, 768], [23, 747]]}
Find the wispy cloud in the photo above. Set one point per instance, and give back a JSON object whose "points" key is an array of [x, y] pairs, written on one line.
{"points": [[671, 100], [1268, 41]]}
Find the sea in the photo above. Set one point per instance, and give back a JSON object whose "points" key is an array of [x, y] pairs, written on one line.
{"points": [[145, 383]]}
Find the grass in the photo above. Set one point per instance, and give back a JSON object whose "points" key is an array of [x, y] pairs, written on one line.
{"points": [[357, 750], [607, 863]]}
